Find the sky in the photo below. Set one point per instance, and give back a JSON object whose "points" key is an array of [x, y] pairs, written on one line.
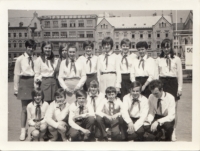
{"points": [[125, 13]]}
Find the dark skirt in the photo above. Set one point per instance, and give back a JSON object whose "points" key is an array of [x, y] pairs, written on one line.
{"points": [[26, 86], [125, 85], [49, 87], [170, 85], [90, 77], [142, 80]]}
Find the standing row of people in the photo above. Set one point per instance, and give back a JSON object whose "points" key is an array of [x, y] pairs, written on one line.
{"points": [[111, 70]]}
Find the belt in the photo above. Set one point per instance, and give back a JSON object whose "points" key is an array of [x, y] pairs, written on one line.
{"points": [[26, 77], [112, 72], [47, 77], [38, 120], [125, 73], [91, 74], [142, 77], [72, 78], [167, 77]]}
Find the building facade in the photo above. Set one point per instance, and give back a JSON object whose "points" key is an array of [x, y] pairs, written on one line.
{"points": [[152, 29], [68, 29], [19, 30]]}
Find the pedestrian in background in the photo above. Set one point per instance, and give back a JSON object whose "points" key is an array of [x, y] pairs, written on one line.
{"points": [[171, 74], [24, 81]]}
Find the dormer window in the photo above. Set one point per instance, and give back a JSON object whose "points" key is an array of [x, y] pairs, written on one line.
{"points": [[35, 25], [20, 24]]}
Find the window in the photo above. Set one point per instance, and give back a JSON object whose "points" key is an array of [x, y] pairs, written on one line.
{"points": [[9, 35], [47, 34], [15, 45], [25, 34], [47, 24], [81, 34], [158, 35], [72, 34], [89, 23], [100, 47], [35, 24], [81, 24], [89, 34], [133, 35], [166, 35], [141, 35], [56, 46], [15, 55], [117, 34], [64, 34], [55, 24], [14, 34], [72, 23], [9, 56], [55, 34], [133, 45], [149, 35], [64, 25], [80, 45], [38, 34], [158, 46], [117, 45], [9, 45], [20, 45], [35, 34]]}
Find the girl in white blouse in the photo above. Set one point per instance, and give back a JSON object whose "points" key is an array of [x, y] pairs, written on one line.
{"points": [[44, 68], [72, 74], [170, 73]]}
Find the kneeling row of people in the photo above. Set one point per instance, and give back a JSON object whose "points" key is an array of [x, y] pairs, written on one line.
{"points": [[93, 115]]}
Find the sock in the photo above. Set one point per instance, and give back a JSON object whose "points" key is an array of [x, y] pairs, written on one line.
{"points": [[23, 130]]}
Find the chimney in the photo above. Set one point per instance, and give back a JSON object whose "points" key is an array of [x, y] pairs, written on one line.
{"points": [[180, 20]]}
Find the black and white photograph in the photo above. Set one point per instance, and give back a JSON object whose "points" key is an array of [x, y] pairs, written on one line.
{"points": [[101, 76]]}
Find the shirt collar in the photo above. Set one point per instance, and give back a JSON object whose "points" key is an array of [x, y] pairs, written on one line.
{"points": [[139, 98], [163, 95], [35, 104], [109, 53], [145, 57], [71, 60], [122, 54], [26, 55], [86, 56]]}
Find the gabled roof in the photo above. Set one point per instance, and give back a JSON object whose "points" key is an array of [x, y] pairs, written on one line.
{"points": [[134, 22], [15, 22]]}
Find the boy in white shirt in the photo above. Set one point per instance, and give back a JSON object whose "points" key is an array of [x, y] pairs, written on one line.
{"points": [[81, 118], [136, 108], [57, 116]]}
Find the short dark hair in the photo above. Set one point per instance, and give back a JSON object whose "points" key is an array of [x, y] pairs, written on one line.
{"points": [[111, 90], [142, 44], [126, 41], [60, 92], [88, 43], [30, 43], [71, 45], [135, 84], [81, 93], [107, 40], [156, 84], [36, 92]]}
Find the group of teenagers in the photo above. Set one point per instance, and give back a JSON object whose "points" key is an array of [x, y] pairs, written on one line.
{"points": [[124, 97]]}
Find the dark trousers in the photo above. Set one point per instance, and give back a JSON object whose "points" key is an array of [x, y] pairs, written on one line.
{"points": [[90, 77], [125, 85], [142, 80], [86, 123], [170, 85], [116, 126], [137, 135], [155, 136]]}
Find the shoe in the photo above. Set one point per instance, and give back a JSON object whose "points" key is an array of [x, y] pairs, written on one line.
{"points": [[174, 136], [22, 136]]}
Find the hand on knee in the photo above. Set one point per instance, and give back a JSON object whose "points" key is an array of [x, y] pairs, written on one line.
{"points": [[43, 127], [35, 134]]}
